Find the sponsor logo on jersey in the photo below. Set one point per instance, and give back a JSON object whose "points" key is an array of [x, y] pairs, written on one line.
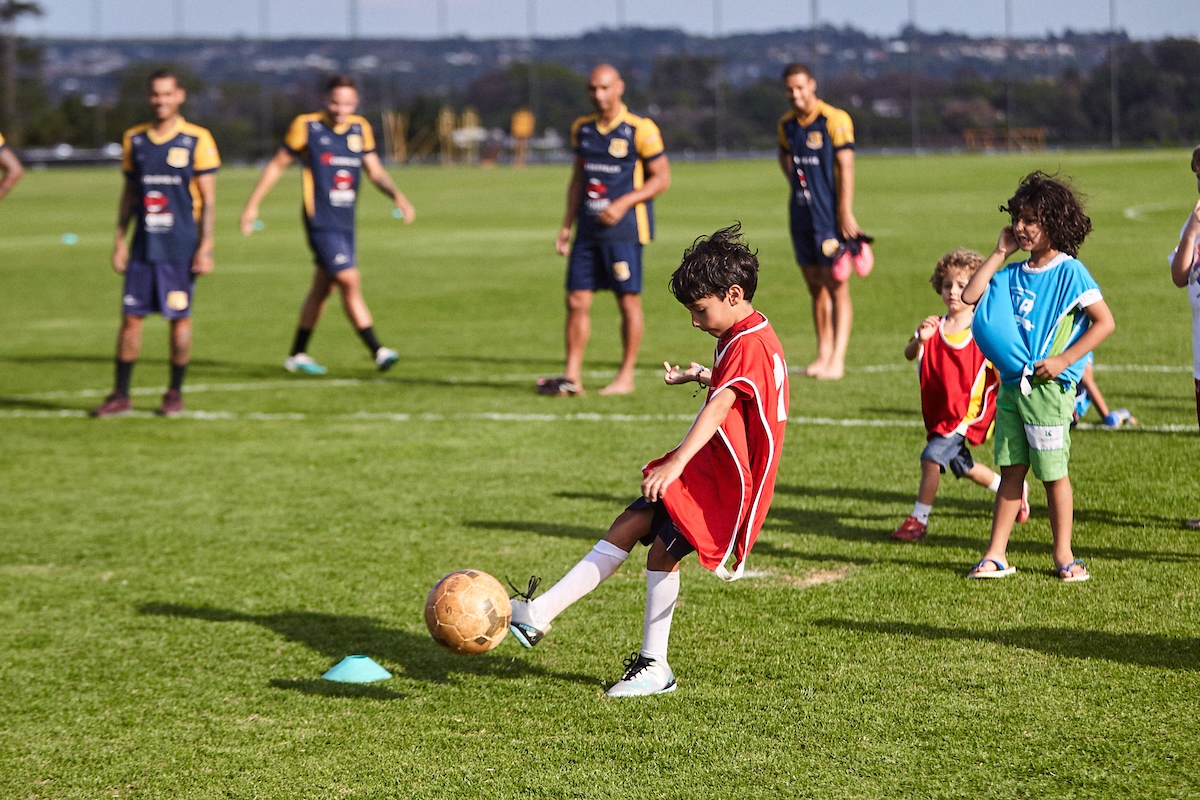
{"points": [[608, 169], [814, 140], [162, 180], [177, 300], [354, 143], [157, 211], [330, 160], [618, 148], [178, 157], [621, 271], [596, 193], [342, 193]]}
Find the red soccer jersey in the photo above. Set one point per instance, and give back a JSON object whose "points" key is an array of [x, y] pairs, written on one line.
{"points": [[958, 388], [721, 499]]}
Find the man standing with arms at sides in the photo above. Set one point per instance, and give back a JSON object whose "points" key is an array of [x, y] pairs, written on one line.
{"points": [[816, 152], [170, 189], [334, 146], [10, 168], [620, 166]]}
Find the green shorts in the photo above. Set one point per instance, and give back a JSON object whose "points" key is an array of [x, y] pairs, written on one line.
{"points": [[1035, 430]]}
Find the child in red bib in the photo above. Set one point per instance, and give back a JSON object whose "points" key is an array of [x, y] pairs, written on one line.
{"points": [[958, 393], [711, 493]]}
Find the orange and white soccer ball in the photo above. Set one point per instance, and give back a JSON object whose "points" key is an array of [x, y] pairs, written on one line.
{"points": [[468, 612]]}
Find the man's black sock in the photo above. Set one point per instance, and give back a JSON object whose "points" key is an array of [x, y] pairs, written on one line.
{"points": [[124, 373], [300, 343], [177, 373], [368, 336]]}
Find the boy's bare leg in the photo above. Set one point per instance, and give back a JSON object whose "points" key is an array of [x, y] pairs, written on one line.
{"points": [[129, 338], [1004, 516], [1088, 381], [578, 331], [633, 325], [931, 479], [822, 311], [982, 475], [1060, 504]]}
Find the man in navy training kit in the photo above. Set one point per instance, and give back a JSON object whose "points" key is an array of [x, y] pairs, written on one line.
{"points": [[334, 146], [170, 188], [620, 166]]}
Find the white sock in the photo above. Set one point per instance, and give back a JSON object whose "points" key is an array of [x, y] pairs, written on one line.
{"points": [[662, 590], [921, 512], [597, 566], [995, 484]]}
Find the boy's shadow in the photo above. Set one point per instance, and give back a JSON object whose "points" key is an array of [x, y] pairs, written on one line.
{"points": [[335, 636], [1138, 649]]}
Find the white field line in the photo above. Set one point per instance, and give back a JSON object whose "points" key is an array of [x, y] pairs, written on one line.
{"points": [[521, 418], [301, 383], [1137, 212]]}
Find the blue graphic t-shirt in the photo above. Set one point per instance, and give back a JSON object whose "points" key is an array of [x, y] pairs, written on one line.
{"points": [[1027, 315]]}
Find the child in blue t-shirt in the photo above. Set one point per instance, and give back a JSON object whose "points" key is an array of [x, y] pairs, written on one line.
{"points": [[1037, 320]]}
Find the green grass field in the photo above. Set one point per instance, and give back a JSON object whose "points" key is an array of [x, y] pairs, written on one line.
{"points": [[172, 590]]}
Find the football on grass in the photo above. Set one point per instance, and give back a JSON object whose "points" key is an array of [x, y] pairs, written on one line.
{"points": [[468, 612]]}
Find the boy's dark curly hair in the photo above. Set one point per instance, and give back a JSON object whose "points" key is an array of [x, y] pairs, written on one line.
{"points": [[1057, 208], [713, 264]]}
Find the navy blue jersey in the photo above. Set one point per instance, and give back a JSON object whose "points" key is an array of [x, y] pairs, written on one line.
{"points": [[163, 172], [613, 160], [812, 144], [332, 159]]}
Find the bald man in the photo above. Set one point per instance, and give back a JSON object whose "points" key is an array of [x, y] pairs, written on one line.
{"points": [[620, 166]]}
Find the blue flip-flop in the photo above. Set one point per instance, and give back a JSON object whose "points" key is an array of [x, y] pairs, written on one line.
{"points": [[1002, 570], [1064, 572]]}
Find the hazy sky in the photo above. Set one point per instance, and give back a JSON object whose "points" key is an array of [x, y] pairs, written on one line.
{"points": [[1143, 19]]}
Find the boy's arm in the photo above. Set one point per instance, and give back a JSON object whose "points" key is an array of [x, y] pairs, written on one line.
{"points": [[655, 484], [1185, 254], [1102, 326], [1005, 247], [921, 335]]}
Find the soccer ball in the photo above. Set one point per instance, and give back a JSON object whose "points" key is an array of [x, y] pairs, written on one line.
{"points": [[468, 612]]}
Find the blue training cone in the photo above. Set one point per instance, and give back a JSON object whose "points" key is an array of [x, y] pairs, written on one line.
{"points": [[356, 669]]}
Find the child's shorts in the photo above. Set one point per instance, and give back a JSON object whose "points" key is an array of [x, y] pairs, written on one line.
{"points": [[663, 527], [949, 451], [1035, 429]]}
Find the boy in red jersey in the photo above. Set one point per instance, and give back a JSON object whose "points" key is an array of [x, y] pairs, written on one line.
{"points": [[711, 493], [958, 393]]}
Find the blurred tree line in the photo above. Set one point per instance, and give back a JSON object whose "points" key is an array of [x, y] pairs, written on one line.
{"points": [[1158, 100]]}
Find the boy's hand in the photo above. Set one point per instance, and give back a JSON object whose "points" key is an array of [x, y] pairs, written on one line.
{"points": [[928, 327], [1007, 243], [1049, 368], [655, 484], [1193, 223], [675, 376]]}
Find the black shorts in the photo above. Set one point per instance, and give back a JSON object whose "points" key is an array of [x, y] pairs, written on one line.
{"points": [[663, 527]]}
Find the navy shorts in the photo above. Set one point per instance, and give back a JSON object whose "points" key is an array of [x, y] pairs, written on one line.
{"points": [[663, 527], [949, 451], [333, 251], [158, 288], [813, 248], [605, 265]]}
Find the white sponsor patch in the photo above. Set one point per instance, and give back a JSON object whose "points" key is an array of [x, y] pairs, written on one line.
{"points": [[1045, 437]]}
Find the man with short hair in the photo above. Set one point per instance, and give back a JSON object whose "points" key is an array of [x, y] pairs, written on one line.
{"points": [[10, 168], [334, 147], [171, 190], [816, 153], [620, 166]]}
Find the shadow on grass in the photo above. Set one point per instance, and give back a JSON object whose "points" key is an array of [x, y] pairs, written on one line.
{"points": [[833, 523], [540, 528], [336, 636], [1138, 649]]}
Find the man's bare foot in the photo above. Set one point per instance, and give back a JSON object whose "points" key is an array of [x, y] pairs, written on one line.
{"points": [[831, 374], [618, 386], [815, 368]]}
